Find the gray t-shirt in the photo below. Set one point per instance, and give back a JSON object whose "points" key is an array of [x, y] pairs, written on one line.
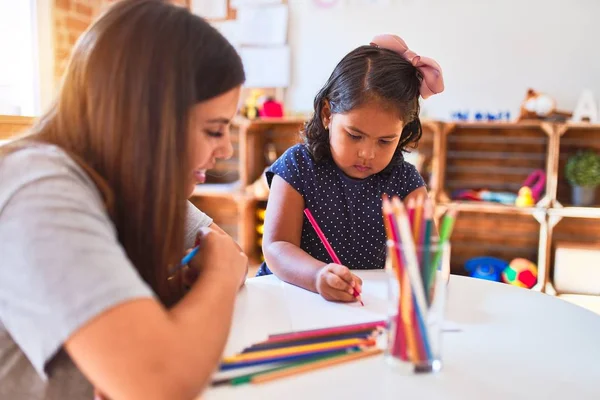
{"points": [[61, 264]]}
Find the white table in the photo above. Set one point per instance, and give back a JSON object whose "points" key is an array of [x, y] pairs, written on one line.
{"points": [[514, 344]]}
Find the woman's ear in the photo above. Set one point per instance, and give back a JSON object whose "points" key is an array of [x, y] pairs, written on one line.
{"points": [[326, 114]]}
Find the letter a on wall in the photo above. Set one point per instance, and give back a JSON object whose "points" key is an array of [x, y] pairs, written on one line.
{"points": [[586, 108]]}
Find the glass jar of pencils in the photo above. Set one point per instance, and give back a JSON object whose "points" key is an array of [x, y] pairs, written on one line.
{"points": [[418, 275]]}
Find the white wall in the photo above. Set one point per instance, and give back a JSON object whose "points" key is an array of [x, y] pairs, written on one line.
{"points": [[491, 51]]}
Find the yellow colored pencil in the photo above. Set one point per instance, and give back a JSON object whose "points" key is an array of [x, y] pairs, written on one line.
{"points": [[270, 376], [307, 348]]}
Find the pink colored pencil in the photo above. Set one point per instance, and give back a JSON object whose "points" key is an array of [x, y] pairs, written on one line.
{"points": [[325, 242], [335, 330]]}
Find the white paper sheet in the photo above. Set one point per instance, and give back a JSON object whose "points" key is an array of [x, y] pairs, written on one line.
{"points": [[210, 9], [266, 67], [263, 26]]}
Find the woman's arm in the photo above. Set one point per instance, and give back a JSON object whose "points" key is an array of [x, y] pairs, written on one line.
{"points": [[138, 349]]}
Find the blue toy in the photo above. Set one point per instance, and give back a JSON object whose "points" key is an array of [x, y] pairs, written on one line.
{"points": [[488, 268]]}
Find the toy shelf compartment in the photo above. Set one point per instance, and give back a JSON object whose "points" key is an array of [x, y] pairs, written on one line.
{"points": [[425, 155], [504, 235], [573, 230], [496, 156], [264, 140], [572, 138]]}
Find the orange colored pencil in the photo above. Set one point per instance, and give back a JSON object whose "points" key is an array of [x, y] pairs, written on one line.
{"points": [[271, 376], [302, 349], [418, 222]]}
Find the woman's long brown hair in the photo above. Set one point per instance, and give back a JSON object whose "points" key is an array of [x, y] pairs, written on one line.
{"points": [[122, 113]]}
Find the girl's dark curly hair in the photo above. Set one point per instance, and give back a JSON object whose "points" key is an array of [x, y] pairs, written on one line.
{"points": [[365, 74]]}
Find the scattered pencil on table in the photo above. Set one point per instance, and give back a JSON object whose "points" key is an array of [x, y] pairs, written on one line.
{"points": [[292, 353], [328, 247]]}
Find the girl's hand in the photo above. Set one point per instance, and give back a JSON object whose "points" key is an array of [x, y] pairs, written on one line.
{"points": [[336, 283]]}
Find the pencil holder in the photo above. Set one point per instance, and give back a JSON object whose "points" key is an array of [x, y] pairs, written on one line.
{"points": [[418, 278]]}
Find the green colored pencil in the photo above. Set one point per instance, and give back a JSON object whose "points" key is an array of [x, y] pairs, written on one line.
{"points": [[445, 233], [247, 378]]}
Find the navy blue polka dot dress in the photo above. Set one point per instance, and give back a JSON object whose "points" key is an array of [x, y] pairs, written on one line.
{"points": [[347, 210]]}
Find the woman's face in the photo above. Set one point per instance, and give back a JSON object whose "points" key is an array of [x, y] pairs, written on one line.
{"points": [[209, 134]]}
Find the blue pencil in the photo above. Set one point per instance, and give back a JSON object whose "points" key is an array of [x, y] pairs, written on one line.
{"points": [[185, 260], [281, 359]]}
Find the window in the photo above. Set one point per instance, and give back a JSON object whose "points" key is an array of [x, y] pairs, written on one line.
{"points": [[19, 73]]}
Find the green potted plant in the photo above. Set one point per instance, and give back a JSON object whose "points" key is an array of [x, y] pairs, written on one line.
{"points": [[583, 173]]}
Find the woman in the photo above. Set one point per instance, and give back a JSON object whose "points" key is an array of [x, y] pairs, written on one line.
{"points": [[94, 216]]}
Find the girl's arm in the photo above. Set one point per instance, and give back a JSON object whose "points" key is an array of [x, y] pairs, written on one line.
{"points": [[281, 247]]}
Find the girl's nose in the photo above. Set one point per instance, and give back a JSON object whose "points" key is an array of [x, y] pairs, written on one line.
{"points": [[367, 152]]}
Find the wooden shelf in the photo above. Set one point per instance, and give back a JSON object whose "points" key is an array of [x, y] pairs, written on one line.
{"points": [[270, 121], [499, 125], [570, 138], [575, 212], [491, 208], [12, 125], [569, 227]]}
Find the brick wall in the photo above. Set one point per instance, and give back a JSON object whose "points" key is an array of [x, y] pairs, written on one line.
{"points": [[71, 18]]}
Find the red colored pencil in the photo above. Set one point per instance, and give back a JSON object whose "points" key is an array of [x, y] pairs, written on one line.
{"points": [[325, 242], [335, 330]]}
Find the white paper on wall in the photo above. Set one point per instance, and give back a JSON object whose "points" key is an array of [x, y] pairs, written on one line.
{"points": [[210, 9], [263, 26], [266, 67]]}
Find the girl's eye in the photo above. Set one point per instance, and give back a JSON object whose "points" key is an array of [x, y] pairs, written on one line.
{"points": [[215, 134], [386, 142], [354, 137]]}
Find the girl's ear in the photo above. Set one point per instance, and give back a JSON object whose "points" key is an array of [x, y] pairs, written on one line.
{"points": [[326, 114]]}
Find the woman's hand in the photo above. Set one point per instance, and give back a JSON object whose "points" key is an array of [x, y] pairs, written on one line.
{"points": [[219, 257]]}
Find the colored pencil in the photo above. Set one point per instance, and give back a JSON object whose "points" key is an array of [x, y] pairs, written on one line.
{"points": [[445, 233], [414, 286], [281, 359], [247, 378], [402, 334], [267, 377], [281, 344], [335, 330], [185, 260], [426, 246], [302, 349], [418, 220], [328, 247], [409, 251]]}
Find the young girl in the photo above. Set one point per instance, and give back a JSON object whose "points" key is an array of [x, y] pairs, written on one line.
{"points": [[94, 216], [365, 116]]}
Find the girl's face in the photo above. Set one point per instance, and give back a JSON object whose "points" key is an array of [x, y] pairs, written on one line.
{"points": [[363, 141], [209, 134]]}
